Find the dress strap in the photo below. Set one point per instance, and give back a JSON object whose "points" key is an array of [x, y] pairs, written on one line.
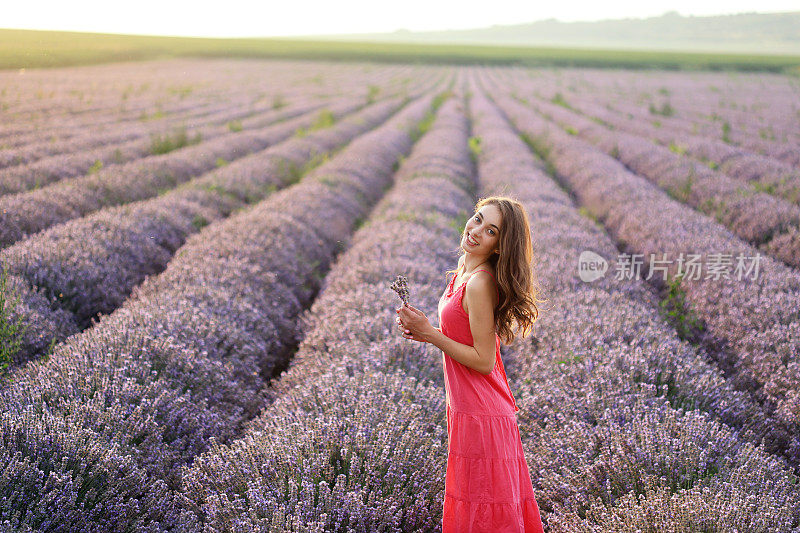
{"points": [[483, 270], [495, 281]]}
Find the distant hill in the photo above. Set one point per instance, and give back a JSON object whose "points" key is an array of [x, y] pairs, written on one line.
{"points": [[23, 49], [767, 33]]}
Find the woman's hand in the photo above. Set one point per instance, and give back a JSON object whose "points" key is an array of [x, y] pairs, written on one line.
{"points": [[413, 323]]}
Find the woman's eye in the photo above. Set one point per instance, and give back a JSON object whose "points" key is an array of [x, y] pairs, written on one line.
{"points": [[477, 219], [491, 232]]}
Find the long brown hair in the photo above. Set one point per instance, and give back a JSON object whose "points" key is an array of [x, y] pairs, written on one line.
{"points": [[516, 311]]}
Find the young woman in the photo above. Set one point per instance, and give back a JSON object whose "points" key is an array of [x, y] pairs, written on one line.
{"points": [[487, 487]]}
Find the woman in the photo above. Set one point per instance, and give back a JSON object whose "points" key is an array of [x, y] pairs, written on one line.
{"points": [[487, 486]]}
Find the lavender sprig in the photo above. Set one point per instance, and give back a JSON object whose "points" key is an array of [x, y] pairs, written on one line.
{"points": [[400, 285]]}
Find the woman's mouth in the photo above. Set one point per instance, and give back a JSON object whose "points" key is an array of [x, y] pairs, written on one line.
{"points": [[471, 242]]}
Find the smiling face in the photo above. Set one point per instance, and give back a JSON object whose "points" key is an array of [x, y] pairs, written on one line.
{"points": [[482, 232]]}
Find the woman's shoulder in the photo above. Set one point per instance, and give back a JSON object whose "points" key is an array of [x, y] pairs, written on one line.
{"points": [[486, 272], [483, 280]]}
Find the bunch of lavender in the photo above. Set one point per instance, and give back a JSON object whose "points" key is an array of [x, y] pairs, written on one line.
{"points": [[400, 286]]}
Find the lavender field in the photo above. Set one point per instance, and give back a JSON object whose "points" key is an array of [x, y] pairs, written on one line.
{"points": [[197, 326]]}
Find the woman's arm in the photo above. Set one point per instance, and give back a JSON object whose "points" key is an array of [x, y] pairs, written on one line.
{"points": [[481, 356]]}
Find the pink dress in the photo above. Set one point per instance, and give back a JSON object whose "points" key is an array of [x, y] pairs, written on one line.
{"points": [[487, 487]]}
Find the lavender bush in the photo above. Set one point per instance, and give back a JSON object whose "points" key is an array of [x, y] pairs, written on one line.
{"points": [[778, 177], [90, 265], [86, 159], [250, 375], [186, 357], [354, 439], [78, 104], [27, 213], [759, 218], [752, 336], [608, 404]]}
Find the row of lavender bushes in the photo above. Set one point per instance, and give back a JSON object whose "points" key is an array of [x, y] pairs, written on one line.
{"points": [[96, 435], [89, 266], [749, 326], [21, 150], [355, 437], [104, 146], [99, 149], [128, 136], [615, 408], [755, 113], [33, 211], [46, 320], [78, 103], [770, 223], [77, 158], [23, 142], [764, 172], [770, 139], [757, 123]]}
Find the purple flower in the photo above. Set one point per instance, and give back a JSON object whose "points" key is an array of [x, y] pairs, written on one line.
{"points": [[400, 286]]}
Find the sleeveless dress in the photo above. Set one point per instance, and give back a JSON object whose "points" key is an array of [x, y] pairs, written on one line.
{"points": [[487, 486]]}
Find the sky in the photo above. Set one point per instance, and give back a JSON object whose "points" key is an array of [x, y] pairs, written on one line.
{"points": [[248, 18]]}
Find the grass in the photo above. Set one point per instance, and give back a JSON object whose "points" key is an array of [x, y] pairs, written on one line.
{"points": [[768, 188], [540, 148], [34, 49], [558, 99], [571, 358], [766, 133], [10, 331], [583, 211], [666, 109], [96, 166], [678, 311], [181, 92], [423, 127], [677, 149], [219, 190], [295, 171], [156, 115], [199, 222], [162, 144], [457, 223], [715, 208], [398, 163], [726, 132], [374, 90], [474, 144], [325, 119], [440, 98], [684, 191], [278, 102]]}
